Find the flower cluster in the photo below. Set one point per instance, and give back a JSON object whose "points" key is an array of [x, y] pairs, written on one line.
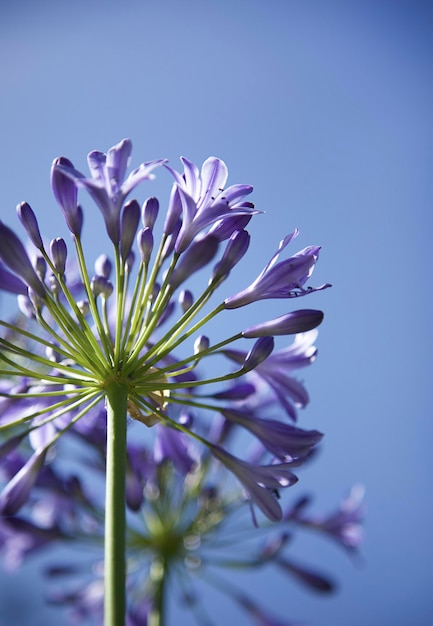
{"points": [[187, 523], [91, 343]]}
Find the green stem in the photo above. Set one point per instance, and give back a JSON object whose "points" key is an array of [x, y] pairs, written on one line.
{"points": [[114, 597], [158, 575]]}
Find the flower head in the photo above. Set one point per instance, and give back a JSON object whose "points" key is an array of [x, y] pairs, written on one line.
{"points": [[187, 522], [97, 342]]}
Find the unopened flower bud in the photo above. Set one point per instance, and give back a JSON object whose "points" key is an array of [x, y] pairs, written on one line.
{"points": [[59, 253], [100, 286], [197, 255], [149, 212], [52, 354], [83, 307], [258, 353], [40, 267], [129, 261], [129, 225], [186, 300], [30, 223], [103, 266], [145, 244], [223, 229], [25, 306], [54, 285], [289, 324], [201, 344], [235, 250]]}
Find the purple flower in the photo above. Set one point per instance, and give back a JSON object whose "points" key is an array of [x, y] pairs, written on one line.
{"points": [[344, 525], [202, 199], [107, 186], [280, 280], [90, 350], [280, 439], [261, 482], [276, 370]]}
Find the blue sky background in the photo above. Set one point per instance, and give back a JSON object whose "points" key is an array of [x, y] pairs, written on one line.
{"points": [[326, 108]]}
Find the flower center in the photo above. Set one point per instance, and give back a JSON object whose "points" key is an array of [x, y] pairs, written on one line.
{"points": [[158, 398]]}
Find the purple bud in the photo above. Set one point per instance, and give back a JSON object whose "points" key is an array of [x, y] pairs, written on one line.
{"points": [[312, 579], [173, 212], [14, 255], [235, 250], [155, 291], [59, 253], [103, 266], [197, 255], [149, 212], [30, 223], [171, 240], [40, 267], [84, 307], [129, 225], [35, 299], [52, 354], [66, 193], [101, 286], [166, 313], [186, 300], [240, 391], [53, 284], [223, 229], [258, 353], [145, 244], [201, 344], [289, 324], [25, 306], [129, 261]]}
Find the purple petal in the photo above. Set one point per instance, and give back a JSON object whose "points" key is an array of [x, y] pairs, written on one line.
{"points": [[18, 489], [213, 178], [14, 255]]}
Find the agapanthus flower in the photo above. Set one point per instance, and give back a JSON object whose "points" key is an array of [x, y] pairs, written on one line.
{"points": [[114, 342], [185, 524]]}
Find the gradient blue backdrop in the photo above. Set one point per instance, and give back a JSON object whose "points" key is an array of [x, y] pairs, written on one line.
{"points": [[326, 107]]}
